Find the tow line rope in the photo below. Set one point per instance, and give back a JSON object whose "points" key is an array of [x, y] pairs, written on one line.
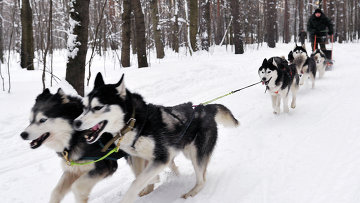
{"points": [[232, 92], [116, 149]]}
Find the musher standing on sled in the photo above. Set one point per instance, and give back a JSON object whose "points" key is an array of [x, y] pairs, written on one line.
{"points": [[316, 26]]}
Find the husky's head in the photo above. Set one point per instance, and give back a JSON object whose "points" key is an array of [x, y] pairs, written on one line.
{"points": [[268, 71], [318, 56], [105, 108], [299, 53], [51, 120]]}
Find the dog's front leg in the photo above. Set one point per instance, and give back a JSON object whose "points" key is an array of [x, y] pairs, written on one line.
{"points": [[294, 89], [276, 100], [83, 186], [273, 102], [312, 81], [151, 170], [63, 187], [285, 104], [137, 165], [302, 79]]}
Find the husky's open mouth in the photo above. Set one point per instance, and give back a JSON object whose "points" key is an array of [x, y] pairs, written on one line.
{"points": [[264, 82], [94, 132], [37, 142]]}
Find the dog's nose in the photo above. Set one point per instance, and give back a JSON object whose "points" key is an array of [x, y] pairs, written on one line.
{"points": [[77, 124], [24, 135], [264, 79]]}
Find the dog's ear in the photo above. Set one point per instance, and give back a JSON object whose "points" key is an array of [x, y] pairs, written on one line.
{"points": [[44, 95], [63, 96], [303, 46], [120, 87], [264, 62], [99, 81], [274, 63]]}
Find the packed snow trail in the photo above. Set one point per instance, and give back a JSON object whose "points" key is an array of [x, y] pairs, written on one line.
{"points": [[310, 155]]}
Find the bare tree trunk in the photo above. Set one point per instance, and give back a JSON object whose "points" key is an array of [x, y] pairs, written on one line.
{"points": [[331, 10], [157, 32], [325, 7], [295, 21], [205, 24], [351, 22], [140, 34], [301, 14], [358, 18], [114, 44], [77, 42], [344, 15], [27, 39], [95, 42], [271, 25], [176, 28], [286, 22], [133, 32], [194, 15], [1, 34], [48, 44], [126, 32], [239, 48]]}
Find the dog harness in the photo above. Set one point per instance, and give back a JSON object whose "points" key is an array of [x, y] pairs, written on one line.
{"points": [[106, 154], [127, 128]]}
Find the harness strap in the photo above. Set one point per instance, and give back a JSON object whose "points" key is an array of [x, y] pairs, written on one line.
{"points": [[127, 128], [141, 129]]}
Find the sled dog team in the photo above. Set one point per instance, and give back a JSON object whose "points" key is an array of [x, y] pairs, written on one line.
{"points": [[151, 135], [281, 76]]}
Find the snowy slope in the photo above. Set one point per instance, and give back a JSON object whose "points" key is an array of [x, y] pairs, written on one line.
{"points": [[310, 155]]}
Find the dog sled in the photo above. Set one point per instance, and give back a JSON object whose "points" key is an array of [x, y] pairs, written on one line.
{"points": [[328, 52]]}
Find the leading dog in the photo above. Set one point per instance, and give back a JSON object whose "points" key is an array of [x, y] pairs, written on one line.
{"points": [[159, 133], [279, 78], [51, 122]]}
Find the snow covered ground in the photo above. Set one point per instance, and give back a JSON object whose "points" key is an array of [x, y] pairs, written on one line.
{"points": [[310, 155]]}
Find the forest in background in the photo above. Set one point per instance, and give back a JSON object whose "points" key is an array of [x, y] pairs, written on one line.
{"points": [[127, 27]]}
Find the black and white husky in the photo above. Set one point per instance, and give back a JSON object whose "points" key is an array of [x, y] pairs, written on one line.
{"points": [[279, 78], [305, 65], [160, 132], [51, 124], [320, 61]]}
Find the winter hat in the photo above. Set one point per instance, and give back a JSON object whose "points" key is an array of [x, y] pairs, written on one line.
{"points": [[318, 10]]}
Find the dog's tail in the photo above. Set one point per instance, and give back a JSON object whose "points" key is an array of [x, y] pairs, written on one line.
{"points": [[225, 117]]}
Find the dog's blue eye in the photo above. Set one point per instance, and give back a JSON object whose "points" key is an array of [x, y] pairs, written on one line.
{"points": [[42, 120], [97, 108]]}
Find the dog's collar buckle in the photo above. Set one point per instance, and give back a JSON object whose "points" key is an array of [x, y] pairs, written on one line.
{"points": [[127, 128], [131, 122], [66, 157]]}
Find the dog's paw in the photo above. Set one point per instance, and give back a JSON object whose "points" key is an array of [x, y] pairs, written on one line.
{"points": [[286, 110], [189, 194], [147, 190], [276, 111], [293, 106]]}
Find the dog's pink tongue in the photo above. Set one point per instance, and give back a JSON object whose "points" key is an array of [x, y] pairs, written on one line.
{"points": [[96, 127]]}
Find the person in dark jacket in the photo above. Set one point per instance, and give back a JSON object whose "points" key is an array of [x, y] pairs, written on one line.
{"points": [[319, 25], [302, 36]]}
